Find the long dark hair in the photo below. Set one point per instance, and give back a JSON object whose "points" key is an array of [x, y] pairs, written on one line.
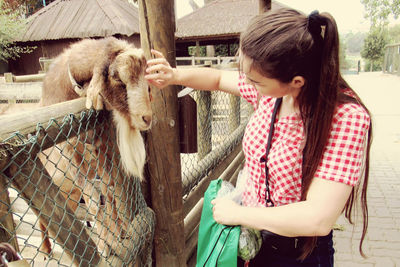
{"points": [[283, 44]]}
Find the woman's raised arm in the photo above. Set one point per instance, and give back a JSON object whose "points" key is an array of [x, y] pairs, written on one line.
{"points": [[161, 74]]}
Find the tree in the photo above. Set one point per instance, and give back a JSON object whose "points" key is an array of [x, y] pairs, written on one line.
{"points": [[354, 41], [394, 34], [374, 46], [29, 6], [12, 24], [344, 64], [378, 11]]}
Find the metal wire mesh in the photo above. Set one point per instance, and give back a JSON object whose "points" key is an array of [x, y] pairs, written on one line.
{"points": [[62, 189], [221, 120]]}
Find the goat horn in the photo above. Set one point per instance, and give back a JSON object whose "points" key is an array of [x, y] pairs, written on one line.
{"points": [[78, 88]]}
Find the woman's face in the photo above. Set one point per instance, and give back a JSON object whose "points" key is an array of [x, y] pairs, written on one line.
{"points": [[264, 85]]}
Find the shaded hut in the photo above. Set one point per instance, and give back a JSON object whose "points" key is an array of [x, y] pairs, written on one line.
{"points": [[63, 22], [218, 22]]}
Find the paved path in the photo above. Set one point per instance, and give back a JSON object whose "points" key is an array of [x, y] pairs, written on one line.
{"points": [[381, 93]]}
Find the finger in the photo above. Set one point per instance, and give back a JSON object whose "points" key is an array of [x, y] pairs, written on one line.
{"points": [[158, 54], [154, 76], [160, 75], [158, 67], [156, 61], [156, 83]]}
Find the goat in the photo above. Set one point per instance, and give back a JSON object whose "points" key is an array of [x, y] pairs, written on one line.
{"points": [[113, 70]]}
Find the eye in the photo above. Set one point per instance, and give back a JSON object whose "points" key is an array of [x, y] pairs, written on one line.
{"points": [[248, 81]]}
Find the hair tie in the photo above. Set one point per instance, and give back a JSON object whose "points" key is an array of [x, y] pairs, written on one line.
{"points": [[314, 23]]}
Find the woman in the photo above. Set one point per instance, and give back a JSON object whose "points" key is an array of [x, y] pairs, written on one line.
{"points": [[319, 156]]}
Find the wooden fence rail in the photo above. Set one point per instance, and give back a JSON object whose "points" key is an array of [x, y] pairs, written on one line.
{"points": [[10, 78], [21, 91]]}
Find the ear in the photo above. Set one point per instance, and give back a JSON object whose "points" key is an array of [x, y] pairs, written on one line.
{"points": [[297, 82], [112, 70]]}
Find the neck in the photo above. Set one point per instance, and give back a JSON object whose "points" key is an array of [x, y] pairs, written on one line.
{"points": [[289, 106]]}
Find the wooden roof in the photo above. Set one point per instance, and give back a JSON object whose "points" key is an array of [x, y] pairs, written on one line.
{"points": [[219, 18], [65, 19]]}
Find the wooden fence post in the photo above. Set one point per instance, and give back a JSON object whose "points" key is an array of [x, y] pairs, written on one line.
{"points": [[234, 114], [8, 77], [397, 53], [157, 29], [385, 59], [6, 218]]}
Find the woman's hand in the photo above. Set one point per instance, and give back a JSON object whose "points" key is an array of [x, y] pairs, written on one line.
{"points": [[159, 72], [226, 211]]}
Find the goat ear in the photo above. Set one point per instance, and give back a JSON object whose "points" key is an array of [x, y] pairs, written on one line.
{"points": [[112, 70], [115, 53], [139, 65]]}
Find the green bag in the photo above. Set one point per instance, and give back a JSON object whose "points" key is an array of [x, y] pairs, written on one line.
{"points": [[217, 244]]}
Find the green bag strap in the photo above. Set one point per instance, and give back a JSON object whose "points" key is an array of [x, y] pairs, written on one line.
{"points": [[226, 239], [216, 242]]}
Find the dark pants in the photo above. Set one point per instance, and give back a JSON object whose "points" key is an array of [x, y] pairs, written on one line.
{"points": [[269, 256]]}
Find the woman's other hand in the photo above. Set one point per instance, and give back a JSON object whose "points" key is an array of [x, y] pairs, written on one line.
{"points": [[226, 211], [159, 73]]}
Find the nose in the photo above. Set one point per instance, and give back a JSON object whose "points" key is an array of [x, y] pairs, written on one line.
{"points": [[147, 119]]}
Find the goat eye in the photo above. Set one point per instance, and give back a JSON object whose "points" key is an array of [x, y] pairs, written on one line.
{"points": [[150, 96]]}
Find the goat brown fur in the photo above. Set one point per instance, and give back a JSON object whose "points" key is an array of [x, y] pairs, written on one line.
{"points": [[113, 69]]}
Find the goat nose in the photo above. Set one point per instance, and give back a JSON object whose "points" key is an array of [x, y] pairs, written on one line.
{"points": [[147, 119]]}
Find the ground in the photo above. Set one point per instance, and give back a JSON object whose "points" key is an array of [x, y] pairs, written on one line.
{"points": [[381, 93]]}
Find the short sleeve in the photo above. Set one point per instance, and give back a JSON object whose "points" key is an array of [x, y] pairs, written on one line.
{"points": [[247, 91], [343, 158]]}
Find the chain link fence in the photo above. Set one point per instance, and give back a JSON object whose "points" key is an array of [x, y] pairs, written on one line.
{"points": [[64, 200], [221, 120]]}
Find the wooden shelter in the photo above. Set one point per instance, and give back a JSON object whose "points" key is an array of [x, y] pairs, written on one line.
{"points": [[63, 22], [218, 22]]}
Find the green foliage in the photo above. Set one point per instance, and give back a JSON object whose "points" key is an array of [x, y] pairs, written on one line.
{"points": [[28, 6], [344, 64], [373, 65], [220, 50], [12, 24], [354, 41], [394, 34], [378, 11], [192, 51], [374, 46]]}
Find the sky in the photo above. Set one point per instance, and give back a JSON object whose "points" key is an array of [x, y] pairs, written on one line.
{"points": [[349, 14]]}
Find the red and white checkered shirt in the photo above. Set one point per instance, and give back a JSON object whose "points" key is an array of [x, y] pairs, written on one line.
{"points": [[342, 160]]}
